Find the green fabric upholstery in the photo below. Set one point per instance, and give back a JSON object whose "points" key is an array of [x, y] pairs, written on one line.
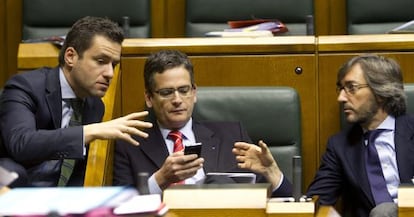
{"points": [[269, 113], [203, 16], [377, 16], [44, 18]]}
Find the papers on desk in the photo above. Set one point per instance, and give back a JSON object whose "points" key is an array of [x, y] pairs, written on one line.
{"points": [[67, 200], [6, 177], [77, 200]]}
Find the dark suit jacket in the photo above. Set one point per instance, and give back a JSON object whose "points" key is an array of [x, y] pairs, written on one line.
{"points": [[30, 122], [217, 140], [342, 171]]}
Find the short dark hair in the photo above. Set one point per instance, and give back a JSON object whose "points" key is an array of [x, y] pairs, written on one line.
{"points": [[384, 77], [163, 60], [83, 31]]}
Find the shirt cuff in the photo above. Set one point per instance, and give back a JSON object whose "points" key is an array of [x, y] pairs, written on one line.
{"points": [[280, 182], [153, 185]]}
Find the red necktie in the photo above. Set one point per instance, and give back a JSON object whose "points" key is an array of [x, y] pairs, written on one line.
{"points": [[177, 137]]}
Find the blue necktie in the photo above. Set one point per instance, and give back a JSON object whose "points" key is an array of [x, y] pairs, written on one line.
{"points": [[75, 120], [374, 171]]}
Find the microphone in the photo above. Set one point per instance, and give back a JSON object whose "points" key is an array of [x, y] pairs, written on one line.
{"points": [[310, 29], [297, 178], [142, 183]]}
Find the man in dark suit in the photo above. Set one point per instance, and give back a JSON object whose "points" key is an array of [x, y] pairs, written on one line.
{"points": [[171, 94], [35, 109], [370, 89]]}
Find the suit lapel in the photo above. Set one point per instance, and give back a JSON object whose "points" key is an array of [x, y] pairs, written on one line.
{"points": [[54, 96], [154, 146], [404, 147], [210, 146]]}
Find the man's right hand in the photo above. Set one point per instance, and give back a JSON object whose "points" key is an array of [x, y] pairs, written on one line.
{"points": [[120, 128], [177, 167]]}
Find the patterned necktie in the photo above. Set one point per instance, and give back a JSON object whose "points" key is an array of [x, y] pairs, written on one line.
{"points": [[75, 120], [374, 171], [177, 137]]}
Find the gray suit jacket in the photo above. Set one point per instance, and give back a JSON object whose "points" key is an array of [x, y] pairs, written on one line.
{"points": [[30, 124]]}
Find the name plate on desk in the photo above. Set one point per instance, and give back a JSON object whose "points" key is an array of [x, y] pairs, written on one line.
{"points": [[406, 200], [216, 196]]}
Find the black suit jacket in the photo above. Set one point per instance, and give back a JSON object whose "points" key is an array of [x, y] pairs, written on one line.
{"points": [[342, 171], [30, 123], [217, 140]]}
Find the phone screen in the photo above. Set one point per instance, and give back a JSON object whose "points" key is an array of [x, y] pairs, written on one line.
{"points": [[193, 149]]}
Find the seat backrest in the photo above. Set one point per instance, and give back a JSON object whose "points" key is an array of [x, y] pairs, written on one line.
{"points": [[377, 16], [409, 91], [45, 18], [269, 113], [204, 16]]}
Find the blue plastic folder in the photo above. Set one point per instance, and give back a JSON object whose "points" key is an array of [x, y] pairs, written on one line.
{"points": [[63, 200]]}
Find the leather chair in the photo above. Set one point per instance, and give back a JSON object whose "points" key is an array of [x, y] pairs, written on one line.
{"points": [[377, 16], [204, 16], [45, 18], [272, 114]]}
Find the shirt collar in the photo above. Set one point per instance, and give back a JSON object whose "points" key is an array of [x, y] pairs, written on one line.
{"points": [[66, 90], [186, 130], [388, 124]]}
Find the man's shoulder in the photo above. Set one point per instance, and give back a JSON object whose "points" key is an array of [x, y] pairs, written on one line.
{"points": [[32, 76]]}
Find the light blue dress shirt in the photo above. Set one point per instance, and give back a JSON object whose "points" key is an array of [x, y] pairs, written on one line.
{"points": [[385, 146]]}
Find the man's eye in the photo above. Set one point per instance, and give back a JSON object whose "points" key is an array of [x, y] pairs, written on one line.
{"points": [[165, 92]]}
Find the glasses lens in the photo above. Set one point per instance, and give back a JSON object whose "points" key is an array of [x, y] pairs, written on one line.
{"points": [[184, 91], [167, 92]]}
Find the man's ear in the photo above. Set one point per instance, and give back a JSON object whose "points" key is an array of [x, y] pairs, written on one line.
{"points": [[71, 56], [148, 98]]}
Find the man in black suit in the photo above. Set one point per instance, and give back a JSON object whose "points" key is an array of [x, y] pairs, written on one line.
{"points": [[35, 109], [171, 93], [371, 90]]}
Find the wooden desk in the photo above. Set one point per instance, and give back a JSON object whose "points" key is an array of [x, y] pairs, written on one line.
{"points": [[406, 201], [36, 55], [274, 61]]}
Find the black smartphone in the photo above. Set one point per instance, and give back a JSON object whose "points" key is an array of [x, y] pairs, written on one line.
{"points": [[193, 149]]}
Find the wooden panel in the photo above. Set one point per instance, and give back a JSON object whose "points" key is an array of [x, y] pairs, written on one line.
{"points": [[228, 63], [284, 45], [14, 34], [175, 18], [158, 19], [3, 43], [32, 56]]}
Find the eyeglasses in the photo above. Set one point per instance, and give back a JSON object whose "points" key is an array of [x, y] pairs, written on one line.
{"points": [[350, 88], [168, 93]]}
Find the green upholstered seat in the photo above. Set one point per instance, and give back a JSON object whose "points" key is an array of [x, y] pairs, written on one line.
{"points": [[203, 16], [377, 16], [44, 18], [269, 113]]}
